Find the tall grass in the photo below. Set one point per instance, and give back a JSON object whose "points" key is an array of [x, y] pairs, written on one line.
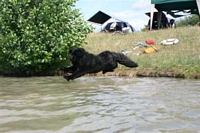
{"points": [[183, 58]]}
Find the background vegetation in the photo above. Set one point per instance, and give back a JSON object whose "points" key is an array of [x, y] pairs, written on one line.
{"points": [[189, 21], [35, 35], [182, 60]]}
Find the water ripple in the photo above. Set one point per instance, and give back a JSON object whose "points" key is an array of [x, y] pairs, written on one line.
{"points": [[99, 104]]}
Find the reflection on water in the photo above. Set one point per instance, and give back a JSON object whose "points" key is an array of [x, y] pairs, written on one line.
{"points": [[99, 104]]}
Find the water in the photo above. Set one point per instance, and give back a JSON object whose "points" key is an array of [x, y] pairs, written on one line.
{"points": [[99, 105]]}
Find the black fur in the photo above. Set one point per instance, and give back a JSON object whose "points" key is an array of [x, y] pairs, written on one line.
{"points": [[84, 62]]}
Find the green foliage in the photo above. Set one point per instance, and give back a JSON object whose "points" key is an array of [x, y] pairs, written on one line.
{"points": [[146, 28], [35, 35], [189, 21]]}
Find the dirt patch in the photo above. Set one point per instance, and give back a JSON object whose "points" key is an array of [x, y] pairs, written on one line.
{"points": [[141, 73]]}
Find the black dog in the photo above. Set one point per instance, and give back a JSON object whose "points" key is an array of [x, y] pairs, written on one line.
{"points": [[84, 62]]}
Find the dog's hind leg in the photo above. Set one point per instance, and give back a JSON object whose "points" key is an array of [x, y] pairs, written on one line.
{"points": [[109, 67]]}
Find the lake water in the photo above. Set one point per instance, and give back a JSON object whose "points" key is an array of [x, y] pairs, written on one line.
{"points": [[99, 105]]}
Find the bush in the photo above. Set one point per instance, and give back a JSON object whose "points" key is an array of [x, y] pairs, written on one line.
{"points": [[35, 35], [191, 20]]}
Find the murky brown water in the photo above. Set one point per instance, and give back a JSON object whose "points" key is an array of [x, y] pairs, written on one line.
{"points": [[99, 105]]}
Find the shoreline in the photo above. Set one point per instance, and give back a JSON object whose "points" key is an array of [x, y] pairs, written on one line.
{"points": [[141, 73], [153, 73], [148, 72]]}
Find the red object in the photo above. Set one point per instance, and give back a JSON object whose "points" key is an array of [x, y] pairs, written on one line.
{"points": [[150, 42]]}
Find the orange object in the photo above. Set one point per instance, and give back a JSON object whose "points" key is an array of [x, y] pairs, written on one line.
{"points": [[150, 42], [150, 50]]}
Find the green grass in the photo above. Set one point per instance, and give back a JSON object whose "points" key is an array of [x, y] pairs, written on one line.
{"points": [[183, 58]]}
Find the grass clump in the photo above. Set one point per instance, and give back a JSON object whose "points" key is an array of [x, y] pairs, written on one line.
{"points": [[182, 59]]}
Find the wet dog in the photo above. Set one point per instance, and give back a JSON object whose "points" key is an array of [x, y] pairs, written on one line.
{"points": [[84, 62]]}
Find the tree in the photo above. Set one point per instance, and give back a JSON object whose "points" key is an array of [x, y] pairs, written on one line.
{"points": [[188, 21], [36, 35]]}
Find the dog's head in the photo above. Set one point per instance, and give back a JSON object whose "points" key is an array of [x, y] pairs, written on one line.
{"points": [[76, 54]]}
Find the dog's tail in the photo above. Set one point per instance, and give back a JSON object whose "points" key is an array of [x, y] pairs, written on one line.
{"points": [[124, 60]]}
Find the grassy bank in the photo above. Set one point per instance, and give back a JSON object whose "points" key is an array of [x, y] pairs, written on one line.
{"points": [[182, 60]]}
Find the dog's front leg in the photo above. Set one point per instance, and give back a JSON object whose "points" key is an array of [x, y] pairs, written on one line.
{"points": [[75, 75], [71, 69]]}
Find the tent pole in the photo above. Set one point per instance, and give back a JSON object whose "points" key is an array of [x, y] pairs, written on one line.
{"points": [[198, 5], [159, 19], [151, 16]]}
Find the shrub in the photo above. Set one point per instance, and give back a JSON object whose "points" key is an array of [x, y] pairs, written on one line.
{"points": [[35, 35], [191, 20]]}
